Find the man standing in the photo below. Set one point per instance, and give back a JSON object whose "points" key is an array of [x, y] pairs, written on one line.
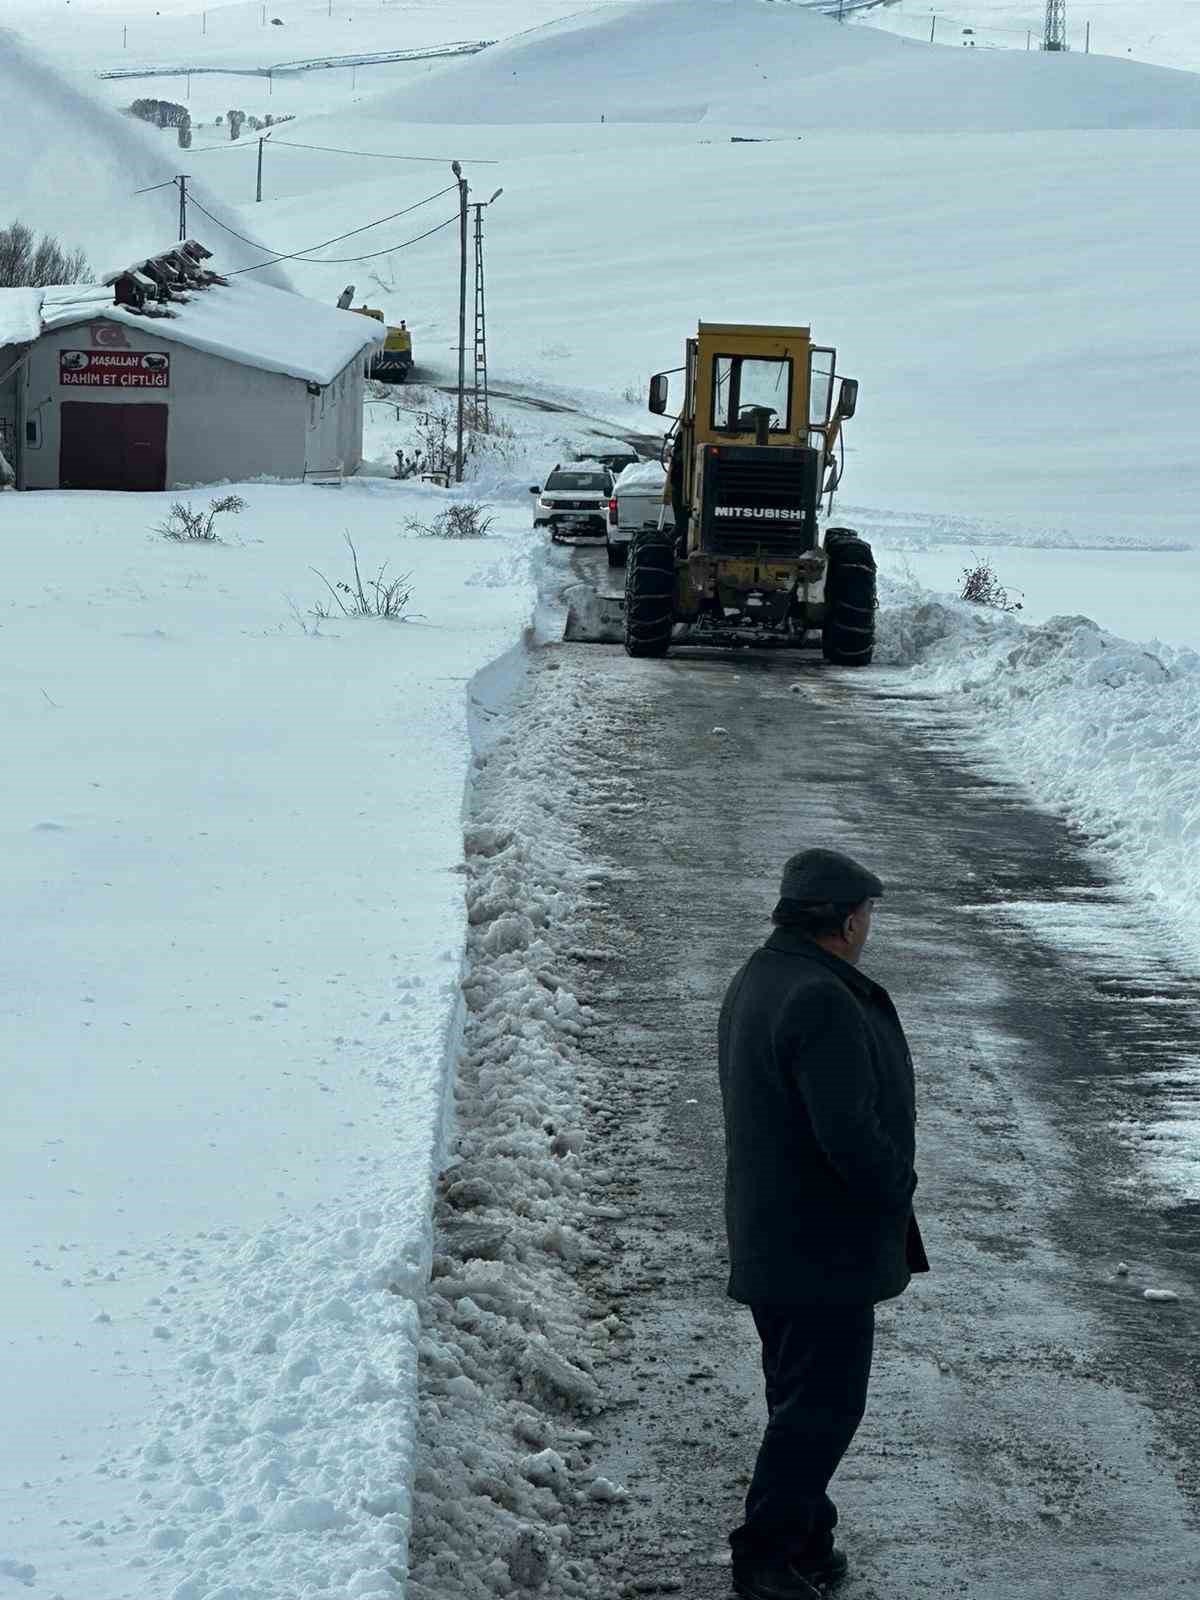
{"points": [[820, 1133]]}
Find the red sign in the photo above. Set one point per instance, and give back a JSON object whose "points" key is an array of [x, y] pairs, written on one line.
{"points": [[114, 369]]}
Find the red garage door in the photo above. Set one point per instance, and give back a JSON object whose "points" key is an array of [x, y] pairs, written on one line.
{"points": [[112, 446]]}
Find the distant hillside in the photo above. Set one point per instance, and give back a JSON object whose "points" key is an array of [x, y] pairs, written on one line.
{"points": [[731, 61]]}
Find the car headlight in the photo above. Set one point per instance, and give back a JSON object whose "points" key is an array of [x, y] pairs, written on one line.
{"points": [[545, 505]]}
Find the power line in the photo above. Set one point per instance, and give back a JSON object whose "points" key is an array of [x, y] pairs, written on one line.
{"points": [[167, 182], [380, 155], [295, 255], [333, 261]]}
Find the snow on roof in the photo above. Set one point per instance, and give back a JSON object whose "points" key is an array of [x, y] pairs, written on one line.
{"points": [[20, 315], [245, 322], [642, 475]]}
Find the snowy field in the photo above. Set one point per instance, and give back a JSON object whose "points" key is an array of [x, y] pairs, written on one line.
{"points": [[233, 832], [232, 844]]}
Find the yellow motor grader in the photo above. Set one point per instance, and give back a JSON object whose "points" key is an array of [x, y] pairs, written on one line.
{"points": [[737, 556]]}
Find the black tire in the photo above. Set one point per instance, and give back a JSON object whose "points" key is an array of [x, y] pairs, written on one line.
{"points": [[649, 593], [616, 554], [848, 636]]}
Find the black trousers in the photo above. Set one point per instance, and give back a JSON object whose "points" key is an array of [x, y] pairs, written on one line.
{"points": [[817, 1364]]}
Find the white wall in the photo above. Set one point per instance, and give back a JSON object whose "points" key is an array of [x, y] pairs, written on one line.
{"points": [[226, 422], [335, 423]]}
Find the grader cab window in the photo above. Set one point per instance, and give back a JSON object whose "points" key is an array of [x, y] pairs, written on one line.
{"points": [[742, 383], [820, 388]]}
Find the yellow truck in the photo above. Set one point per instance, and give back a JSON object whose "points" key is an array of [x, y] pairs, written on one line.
{"points": [[394, 362]]}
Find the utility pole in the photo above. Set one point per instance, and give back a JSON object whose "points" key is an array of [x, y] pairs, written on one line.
{"points": [[1055, 34], [258, 189], [124, 38], [482, 415], [462, 314], [204, 22], [932, 26], [181, 180], [1087, 38]]}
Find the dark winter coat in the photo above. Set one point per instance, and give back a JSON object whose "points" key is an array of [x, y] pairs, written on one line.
{"points": [[820, 1132]]}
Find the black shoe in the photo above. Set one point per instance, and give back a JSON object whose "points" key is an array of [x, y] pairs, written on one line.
{"points": [[821, 1571], [779, 1582]]}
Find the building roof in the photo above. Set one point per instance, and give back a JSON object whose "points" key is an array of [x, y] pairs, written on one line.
{"points": [[242, 321]]}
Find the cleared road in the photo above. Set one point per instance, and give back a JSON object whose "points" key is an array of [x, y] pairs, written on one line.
{"points": [[1034, 1429]]}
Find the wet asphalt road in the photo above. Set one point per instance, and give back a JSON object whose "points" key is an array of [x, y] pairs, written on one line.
{"points": [[1034, 1426]]}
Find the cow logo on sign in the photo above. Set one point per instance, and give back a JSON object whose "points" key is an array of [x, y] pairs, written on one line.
{"points": [[109, 336]]}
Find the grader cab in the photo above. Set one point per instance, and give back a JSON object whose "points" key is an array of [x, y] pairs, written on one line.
{"points": [[754, 452]]}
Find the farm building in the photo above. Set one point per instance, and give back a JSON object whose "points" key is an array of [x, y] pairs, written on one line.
{"points": [[169, 374]]}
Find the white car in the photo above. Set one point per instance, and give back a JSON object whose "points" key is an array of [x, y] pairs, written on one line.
{"points": [[637, 502], [574, 501]]}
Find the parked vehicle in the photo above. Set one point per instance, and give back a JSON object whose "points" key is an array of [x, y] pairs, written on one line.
{"points": [[574, 501], [637, 502]]}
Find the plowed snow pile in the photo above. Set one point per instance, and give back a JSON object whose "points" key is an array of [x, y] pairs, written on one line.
{"points": [[1106, 730]]}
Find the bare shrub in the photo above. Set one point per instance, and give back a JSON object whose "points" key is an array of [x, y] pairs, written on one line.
{"points": [[633, 393], [379, 596], [466, 519], [184, 523], [477, 420], [982, 587], [26, 263]]}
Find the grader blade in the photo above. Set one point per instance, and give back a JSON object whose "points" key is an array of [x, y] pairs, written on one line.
{"points": [[594, 618]]}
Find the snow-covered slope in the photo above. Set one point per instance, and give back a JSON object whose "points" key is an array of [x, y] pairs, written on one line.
{"points": [[1163, 32], [72, 167], [787, 67], [122, 34]]}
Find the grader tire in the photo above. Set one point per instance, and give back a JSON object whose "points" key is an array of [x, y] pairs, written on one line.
{"points": [[649, 593], [848, 637]]}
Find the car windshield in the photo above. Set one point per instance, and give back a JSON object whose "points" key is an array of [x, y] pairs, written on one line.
{"points": [[578, 480]]}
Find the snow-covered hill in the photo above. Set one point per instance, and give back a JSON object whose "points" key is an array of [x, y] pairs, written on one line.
{"points": [[786, 67], [73, 167]]}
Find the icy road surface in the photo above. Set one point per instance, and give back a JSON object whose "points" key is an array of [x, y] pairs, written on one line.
{"points": [[1034, 1418]]}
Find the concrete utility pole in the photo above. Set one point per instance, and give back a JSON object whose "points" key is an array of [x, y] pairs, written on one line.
{"points": [[1055, 35], [258, 189], [462, 314], [181, 180]]}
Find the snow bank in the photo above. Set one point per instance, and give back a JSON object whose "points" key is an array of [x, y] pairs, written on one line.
{"points": [[731, 61], [512, 1339], [1104, 730]]}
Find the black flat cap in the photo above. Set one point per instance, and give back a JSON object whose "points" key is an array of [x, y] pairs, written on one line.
{"points": [[817, 877]]}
